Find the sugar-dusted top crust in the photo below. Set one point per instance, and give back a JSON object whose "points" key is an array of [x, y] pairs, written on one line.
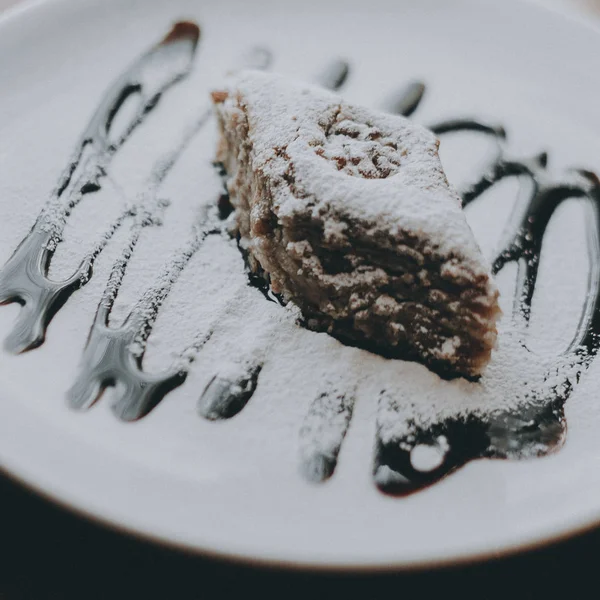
{"points": [[350, 164]]}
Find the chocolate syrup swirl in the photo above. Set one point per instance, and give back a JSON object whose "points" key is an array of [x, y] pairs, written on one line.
{"points": [[108, 361], [24, 278], [113, 356], [537, 427]]}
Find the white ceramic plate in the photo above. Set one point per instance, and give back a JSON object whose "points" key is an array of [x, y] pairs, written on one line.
{"points": [[233, 488]]}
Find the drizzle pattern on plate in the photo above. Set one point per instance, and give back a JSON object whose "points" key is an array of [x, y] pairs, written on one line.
{"points": [[411, 453]]}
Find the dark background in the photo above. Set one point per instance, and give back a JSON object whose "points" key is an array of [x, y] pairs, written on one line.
{"points": [[48, 553]]}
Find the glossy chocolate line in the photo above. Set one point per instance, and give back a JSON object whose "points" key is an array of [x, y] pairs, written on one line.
{"points": [[108, 362], [113, 354], [586, 341], [530, 217], [537, 427], [527, 225], [149, 209], [24, 278], [109, 359], [525, 244]]}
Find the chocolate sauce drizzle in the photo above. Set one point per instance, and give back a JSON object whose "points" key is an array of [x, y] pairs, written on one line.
{"points": [[113, 356], [24, 278], [537, 427]]}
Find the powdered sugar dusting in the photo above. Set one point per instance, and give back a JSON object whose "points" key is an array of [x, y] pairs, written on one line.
{"points": [[515, 378], [198, 316], [404, 174]]}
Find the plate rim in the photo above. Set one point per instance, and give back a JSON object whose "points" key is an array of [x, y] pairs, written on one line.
{"points": [[465, 559], [578, 524]]}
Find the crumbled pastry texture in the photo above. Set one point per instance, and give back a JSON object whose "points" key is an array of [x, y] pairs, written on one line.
{"points": [[350, 214]]}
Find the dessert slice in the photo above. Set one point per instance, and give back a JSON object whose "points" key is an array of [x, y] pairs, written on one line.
{"points": [[348, 212]]}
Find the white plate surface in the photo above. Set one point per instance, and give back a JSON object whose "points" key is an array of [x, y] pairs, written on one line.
{"points": [[232, 488]]}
